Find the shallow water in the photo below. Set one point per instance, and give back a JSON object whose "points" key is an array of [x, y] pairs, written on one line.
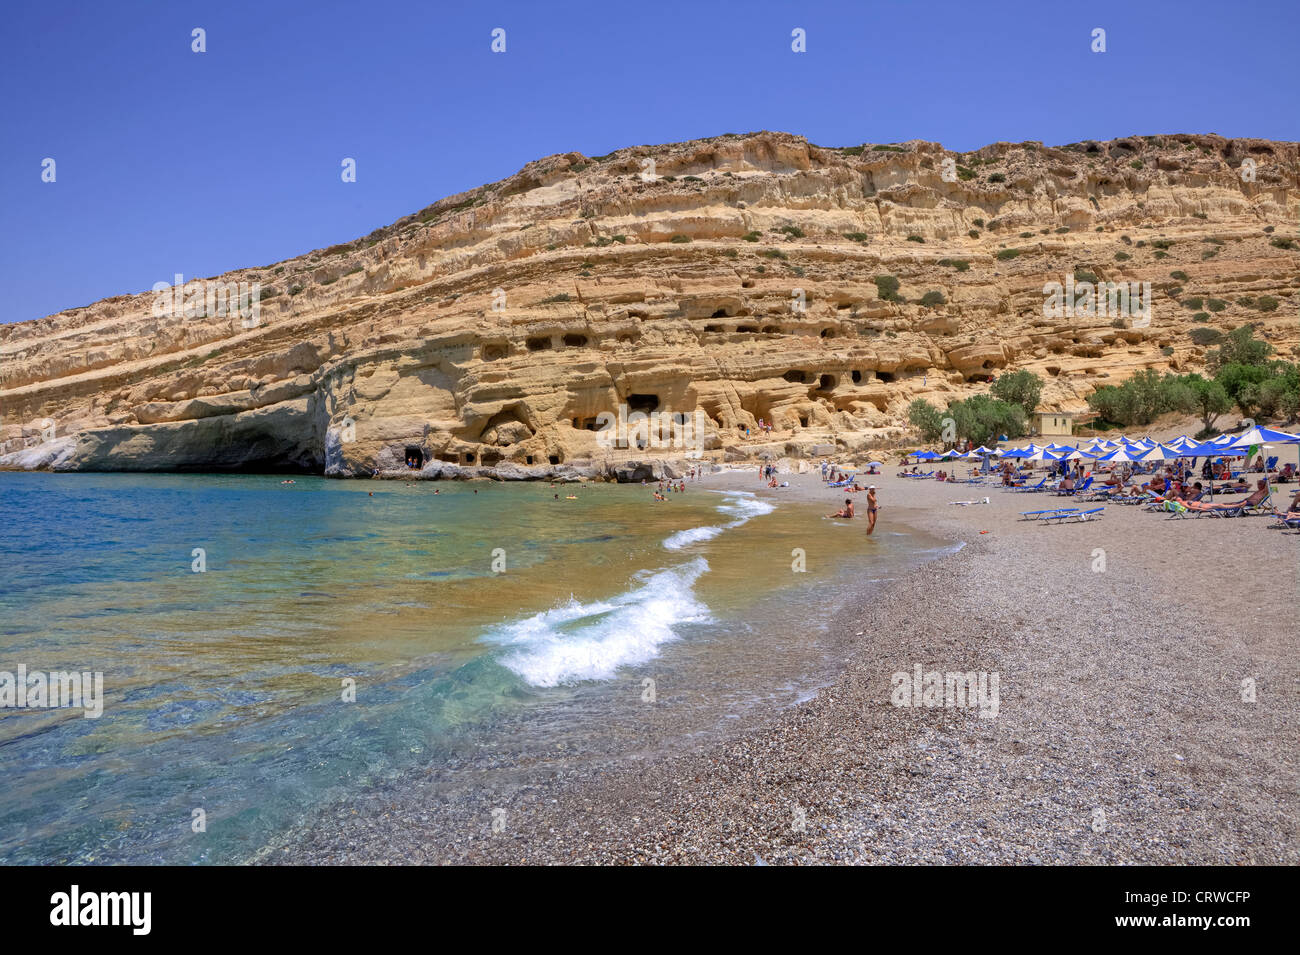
{"points": [[481, 625]]}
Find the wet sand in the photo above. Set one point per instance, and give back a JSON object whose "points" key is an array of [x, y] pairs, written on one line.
{"points": [[1121, 733]]}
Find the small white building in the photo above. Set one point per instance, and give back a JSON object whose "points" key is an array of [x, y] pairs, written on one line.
{"points": [[1058, 424]]}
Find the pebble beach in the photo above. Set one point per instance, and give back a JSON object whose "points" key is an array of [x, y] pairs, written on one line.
{"points": [[1148, 687]]}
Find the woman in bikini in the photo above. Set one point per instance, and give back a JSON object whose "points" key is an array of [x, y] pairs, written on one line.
{"points": [[872, 507]]}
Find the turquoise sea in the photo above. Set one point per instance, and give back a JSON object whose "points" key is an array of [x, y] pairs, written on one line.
{"points": [[268, 649]]}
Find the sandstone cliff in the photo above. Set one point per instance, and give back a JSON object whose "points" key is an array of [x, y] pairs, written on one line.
{"points": [[748, 277]]}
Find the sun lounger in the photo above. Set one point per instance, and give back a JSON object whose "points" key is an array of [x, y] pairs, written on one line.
{"points": [[1071, 514], [1040, 486], [1036, 515], [1078, 488]]}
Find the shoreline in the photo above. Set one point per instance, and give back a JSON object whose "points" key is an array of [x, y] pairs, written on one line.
{"points": [[1122, 736]]}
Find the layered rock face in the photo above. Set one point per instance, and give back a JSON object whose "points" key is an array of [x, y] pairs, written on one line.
{"points": [[744, 277]]}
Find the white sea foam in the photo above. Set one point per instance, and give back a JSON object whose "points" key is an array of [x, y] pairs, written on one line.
{"points": [[591, 641], [740, 505], [692, 535]]}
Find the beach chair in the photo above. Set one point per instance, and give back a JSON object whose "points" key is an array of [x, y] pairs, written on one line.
{"points": [[1078, 488], [1073, 514], [1036, 515], [1040, 486], [1257, 503]]}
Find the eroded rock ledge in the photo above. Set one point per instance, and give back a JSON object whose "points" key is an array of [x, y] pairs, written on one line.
{"points": [[486, 333]]}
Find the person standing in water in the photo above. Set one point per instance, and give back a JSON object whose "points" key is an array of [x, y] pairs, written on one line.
{"points": [[872, 507]]}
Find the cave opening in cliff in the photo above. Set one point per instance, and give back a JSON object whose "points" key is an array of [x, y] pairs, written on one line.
{"points": [[554, 458], [857, 377], [828, 333], [539, 343], [720, 313], [885, 376], [795, 376], [646, 404], [826, 382], [469, 457], [414, 457], [575, 341]]}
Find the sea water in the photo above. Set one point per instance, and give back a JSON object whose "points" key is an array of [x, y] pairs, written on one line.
{"points": [[271, 648]]}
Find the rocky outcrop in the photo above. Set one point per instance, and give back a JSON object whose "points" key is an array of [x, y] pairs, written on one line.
{"points": [[752, 277]]}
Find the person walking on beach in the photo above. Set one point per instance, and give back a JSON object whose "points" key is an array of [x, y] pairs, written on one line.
{"points": [[872, 507]]}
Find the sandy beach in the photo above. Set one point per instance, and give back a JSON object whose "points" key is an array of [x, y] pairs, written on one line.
{"points": [[1122, 734]]}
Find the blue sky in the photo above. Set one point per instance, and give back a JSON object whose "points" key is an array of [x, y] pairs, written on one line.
{"points": [[173, 161]]}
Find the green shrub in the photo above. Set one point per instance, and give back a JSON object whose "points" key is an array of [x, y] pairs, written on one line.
{"points": [[1062, 230], [979, 223], [1205, 336], [1122, 256], [961, 265], [1167, 350], [1178, 274], [1215, 304], [973, 234], [1194, 302], [562, 297], [295, 290], [793, 231], [680, 238], [1084, 275], [915, 238], [997, 177], [1136, 164], [774, 253], [1026, 235], [1161, 243], [752, 236], [1267, 303], [1006, 254], [932, 298], [1022, 388], [887, 288], [1282, 243], [888, 149], [1201, 317], [856, 236]]}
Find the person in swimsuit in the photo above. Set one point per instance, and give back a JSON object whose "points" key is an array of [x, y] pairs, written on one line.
{"points": [[872, 507], [845, 511]]}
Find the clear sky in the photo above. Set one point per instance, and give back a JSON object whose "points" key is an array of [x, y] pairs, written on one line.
{"points": [[173, 161]]}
